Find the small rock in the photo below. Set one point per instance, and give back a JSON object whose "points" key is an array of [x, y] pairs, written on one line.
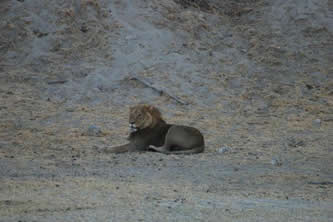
{"points": [[317, 122], [18, 124], [94, 131], [8, 202], [276, 161], [39, 33], [293, 142], [224, 149], [84, 28], [309, 87], [130, 37], [70, 109]]}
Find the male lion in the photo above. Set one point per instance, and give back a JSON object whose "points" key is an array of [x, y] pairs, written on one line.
{"points": [[148, 131]]}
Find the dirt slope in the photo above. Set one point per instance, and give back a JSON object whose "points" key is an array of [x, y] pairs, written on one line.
{"points": [[255, 76]]}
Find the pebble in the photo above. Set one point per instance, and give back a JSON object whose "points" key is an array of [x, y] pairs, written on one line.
{"points": [[224, 149], [317, 122], [94, 131], [70, 109], [295, 142], [276, 161]]}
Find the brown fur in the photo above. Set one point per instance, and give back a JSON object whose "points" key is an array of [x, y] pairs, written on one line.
{"points": [[150, 132]]}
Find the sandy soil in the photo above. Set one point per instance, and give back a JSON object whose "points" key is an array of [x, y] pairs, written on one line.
{"points": [[255, 76]]}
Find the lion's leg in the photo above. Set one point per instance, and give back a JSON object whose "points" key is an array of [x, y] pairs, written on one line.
{"points": [[118, 149]]}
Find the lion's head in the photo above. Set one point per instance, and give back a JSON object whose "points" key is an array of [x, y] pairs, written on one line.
{"points": [[143, 116]]}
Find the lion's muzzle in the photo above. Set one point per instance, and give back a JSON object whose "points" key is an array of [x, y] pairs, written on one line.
{"points": [[132, 127]]}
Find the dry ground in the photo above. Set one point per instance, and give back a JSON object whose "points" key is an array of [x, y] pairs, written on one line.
{"points": [[256, 77]]}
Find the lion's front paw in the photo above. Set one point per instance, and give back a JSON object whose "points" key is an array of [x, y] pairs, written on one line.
{"points": [[158, 149], [152, 147]]}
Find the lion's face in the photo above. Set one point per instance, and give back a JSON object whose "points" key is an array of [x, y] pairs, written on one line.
{"points": [[143, 116]]}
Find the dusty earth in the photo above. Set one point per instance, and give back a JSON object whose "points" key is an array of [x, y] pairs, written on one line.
{"points": [[255, 76]]}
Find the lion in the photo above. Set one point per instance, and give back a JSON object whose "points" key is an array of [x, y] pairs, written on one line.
{"points": [[149, 132]]}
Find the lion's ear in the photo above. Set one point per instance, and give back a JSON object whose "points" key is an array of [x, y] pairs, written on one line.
{"points": [[146, 107]]}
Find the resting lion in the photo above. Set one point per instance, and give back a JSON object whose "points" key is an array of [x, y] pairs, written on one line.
{"points": [[148, 131]]}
